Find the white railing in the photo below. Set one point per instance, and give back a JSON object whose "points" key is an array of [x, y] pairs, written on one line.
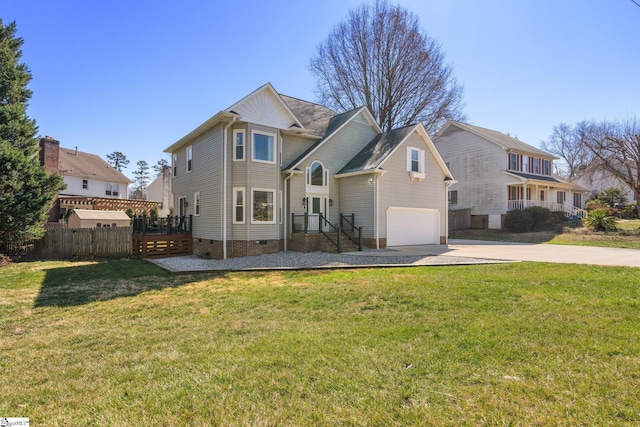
{"points": [[569, 210]]}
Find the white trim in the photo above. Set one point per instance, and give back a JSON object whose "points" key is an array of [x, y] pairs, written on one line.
{"points": [[280, 207], [273, 150], [189, 156], [273, 201], [174, 165], [244, 145], [244, 205], [196, 203]]}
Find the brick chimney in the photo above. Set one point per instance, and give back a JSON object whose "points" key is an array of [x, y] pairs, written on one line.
{"points": [[49, 154]]}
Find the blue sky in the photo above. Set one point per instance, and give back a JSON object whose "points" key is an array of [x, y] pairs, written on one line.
{"points": [[135, 76]]}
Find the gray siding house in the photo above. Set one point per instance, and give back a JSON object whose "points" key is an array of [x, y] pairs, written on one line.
{"points": [[270, 167], [496, 173]]}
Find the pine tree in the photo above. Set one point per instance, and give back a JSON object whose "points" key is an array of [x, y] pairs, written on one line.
{"points": [[26, 190], [118, 160]]}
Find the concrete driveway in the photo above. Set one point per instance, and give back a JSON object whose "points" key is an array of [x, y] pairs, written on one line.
{"points": [[510, 251]]}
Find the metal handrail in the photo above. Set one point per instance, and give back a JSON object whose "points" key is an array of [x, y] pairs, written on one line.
{"points": [[351, 222], [337, 230]]}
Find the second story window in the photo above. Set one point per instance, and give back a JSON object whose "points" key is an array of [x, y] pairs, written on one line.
{"points": [[546, 167], [263, 148], [238, 145], [85, 184], [515, 162], [189, 158], [316, 175], [112, 190], [175, 165]]}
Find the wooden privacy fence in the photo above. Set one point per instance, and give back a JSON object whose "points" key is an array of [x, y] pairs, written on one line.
{"points": [[84, 243], [459, 219]]}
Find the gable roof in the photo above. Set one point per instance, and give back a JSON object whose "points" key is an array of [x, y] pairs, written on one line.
{"points": [[85, 165], [336, 123], [256, 104], [496, 137], [103, 215], [314, 117], [380, 147], [374, 154]]}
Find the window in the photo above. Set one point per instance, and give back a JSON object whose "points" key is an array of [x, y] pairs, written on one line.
{"points": [[263, 147], [315, 174], [453, 197], [175, 165], [112, 189], [263, 206], [536, 166], [515, 162], [85, 184], [546, 167], [238, 145], [561, 196], [577, 200], [525, 163], [542, 195], [98, 225], [189, 158], [415, 160], [196, 203], [238, 205]]}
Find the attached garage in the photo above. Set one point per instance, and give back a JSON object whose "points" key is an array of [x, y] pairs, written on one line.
{"points": [[412, 226]]}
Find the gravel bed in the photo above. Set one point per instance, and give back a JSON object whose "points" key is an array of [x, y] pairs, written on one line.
{"points": [[315, 260]]}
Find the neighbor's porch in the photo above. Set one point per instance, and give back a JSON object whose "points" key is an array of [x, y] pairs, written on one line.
{"points": [[521, 196]]}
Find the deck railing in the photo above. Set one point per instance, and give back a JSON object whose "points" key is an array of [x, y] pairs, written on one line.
{"points": [[162, 225]]}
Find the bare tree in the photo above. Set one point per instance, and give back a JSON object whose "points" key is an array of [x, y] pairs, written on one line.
{"points": [[380, 58], [616, 149], [567, 143]]}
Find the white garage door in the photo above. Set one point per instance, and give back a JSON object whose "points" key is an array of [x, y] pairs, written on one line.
{"points": [[412, 226]]}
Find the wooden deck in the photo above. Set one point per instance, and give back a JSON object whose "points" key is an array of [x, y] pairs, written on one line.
{"points": [[162, 245]]}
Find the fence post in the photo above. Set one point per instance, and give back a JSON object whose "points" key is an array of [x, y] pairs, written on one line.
{"points": [[306, 222], [339, 233]]}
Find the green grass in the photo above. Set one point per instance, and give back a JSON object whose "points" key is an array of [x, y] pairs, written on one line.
{"points": [[627, 236], [123, 343]]}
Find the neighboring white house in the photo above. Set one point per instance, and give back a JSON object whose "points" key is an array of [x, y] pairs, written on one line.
{"points": [[160, 191], [261, 173], [497, 173], [599, 179], [85, 218], [87, 177]]}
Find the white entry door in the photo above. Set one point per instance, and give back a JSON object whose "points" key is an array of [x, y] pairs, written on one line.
{"points": [[319, 206]]}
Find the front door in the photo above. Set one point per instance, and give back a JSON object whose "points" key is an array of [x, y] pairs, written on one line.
{"points": [[319, 207]]}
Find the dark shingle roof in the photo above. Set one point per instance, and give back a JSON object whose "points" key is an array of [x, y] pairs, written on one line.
{"points": [[314, 117], [377, 150], [85, 165], [538, 177], [334, 124]]}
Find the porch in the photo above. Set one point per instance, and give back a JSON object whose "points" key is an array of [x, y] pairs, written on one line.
{"points": [[569, 210], [344, 236]]}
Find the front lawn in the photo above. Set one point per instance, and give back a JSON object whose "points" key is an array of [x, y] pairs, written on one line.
{"points": [[627, 236], [123, 343]]}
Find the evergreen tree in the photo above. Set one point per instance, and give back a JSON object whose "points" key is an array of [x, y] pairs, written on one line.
{"points": [[26, 190], [118, 160], [141, 178]]}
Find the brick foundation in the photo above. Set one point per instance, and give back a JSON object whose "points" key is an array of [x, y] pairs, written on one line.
{"points": [[371, 243], [236, 248]]}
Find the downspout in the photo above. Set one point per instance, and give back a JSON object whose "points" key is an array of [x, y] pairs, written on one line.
{"points": [[377, 211], [285, 215], [224, 186]]}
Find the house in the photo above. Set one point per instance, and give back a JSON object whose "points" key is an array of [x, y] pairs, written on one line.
{"points": [[159, 190], [91, 182], [88, 218], [267, 172], [598, 179], [497, 173]]}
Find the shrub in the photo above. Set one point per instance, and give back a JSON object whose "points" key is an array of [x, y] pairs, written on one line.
{"points": [[630, 211], [518, 221], [542, 217], [612, 197], [600, 220]]}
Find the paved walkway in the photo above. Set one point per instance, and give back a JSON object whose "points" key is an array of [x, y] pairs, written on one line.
{"points": [[511, 251], [457, 252]]}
